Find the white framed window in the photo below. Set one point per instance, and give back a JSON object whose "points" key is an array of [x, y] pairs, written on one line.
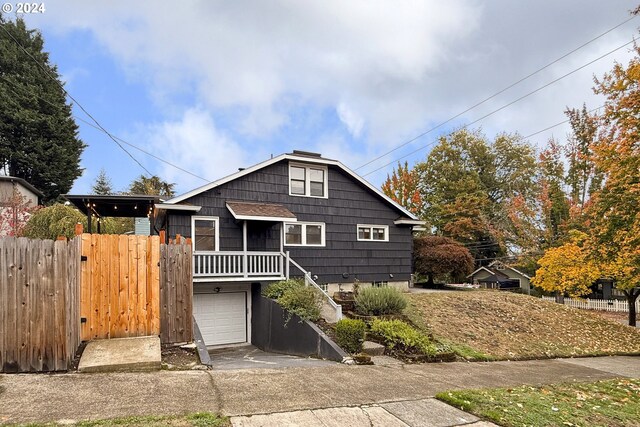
{"points": [[308, 180], [324, 286], [304, 234], [205, 233], [373, 233]]}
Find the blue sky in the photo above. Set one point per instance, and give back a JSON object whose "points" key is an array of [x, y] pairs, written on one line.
{"points": [[213, 86]]}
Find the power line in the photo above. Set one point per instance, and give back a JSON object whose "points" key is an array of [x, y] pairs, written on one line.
{"points": [[116, 137], [497, 93], [505, 106], [144, 151], [46, 72]]}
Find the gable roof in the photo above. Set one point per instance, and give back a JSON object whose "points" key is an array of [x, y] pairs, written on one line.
{"points": [[478, 270], [509, 268], [293, 157]]}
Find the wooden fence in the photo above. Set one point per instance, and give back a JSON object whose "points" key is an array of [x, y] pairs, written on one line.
{"points": [[55, 294], [135, 286], [120, 294], [597, 304], [39, 304], [176, 293]]}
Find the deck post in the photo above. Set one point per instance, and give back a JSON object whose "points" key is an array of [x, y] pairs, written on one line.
{"points": [[245, 267], [286, 265]]}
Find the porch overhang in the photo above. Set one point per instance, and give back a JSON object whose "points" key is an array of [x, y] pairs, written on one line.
{"points": [[254, 211]]}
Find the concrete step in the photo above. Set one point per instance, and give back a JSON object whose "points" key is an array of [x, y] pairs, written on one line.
{"points": [[121, 355], [372, 348]]}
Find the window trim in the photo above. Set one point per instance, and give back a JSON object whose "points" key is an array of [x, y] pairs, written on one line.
{"points": [[323, 230], [307, 179], [216, 221], [372, 226]]}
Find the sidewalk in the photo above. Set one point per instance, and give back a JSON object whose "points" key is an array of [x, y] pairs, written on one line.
{"points": [[44, 397]]}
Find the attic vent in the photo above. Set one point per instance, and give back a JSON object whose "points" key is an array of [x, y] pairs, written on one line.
{"points": [[306, 153]]}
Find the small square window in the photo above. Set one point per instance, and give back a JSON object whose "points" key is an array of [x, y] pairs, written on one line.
{"points": [[204, 234], [377, 233], [293, 234], [314, 235], [307, 181], [304, 234]]}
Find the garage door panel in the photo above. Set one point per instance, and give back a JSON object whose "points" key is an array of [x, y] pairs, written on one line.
{"points": [[222, 317]]}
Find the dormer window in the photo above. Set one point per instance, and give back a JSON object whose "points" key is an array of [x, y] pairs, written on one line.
{"points": [[307, 180]]}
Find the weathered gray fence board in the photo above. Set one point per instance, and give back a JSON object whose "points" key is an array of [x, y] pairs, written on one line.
{"points": [[176, 293], [39, 286]]}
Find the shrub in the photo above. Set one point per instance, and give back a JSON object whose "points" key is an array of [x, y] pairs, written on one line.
{"points": [[350, 334], [399, 335], [305, 301], [276, 290], [377, 301]]}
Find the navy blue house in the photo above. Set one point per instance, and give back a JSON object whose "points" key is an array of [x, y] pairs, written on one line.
{"points": [[293, 215]]}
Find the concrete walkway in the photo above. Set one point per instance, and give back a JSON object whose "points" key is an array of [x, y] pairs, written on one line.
{"points": [[44, 397], [251, 357]]}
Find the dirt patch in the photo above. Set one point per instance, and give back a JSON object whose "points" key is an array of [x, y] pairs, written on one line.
{"points": [[178, 358], [512, 326]]}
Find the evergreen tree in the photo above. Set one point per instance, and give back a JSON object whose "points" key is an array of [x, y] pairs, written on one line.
{"points": [[102, 186], [38, 136]]}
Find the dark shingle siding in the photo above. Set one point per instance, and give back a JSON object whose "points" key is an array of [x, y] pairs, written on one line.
{"points": [[349, 204]]}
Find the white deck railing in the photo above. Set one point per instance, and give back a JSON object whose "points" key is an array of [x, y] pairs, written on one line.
{"points": [[308, 280], [239, 264], [597, 304]]}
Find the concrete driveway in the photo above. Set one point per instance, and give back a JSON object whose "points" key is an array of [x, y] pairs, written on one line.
{"points": [[250, 357]]}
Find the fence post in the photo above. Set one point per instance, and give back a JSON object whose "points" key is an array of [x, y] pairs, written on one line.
{"points": [[78, 229]]}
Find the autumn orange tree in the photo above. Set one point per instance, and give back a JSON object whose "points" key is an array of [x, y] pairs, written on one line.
{"points": [[614, 211], [402, 188], [567, 269]]}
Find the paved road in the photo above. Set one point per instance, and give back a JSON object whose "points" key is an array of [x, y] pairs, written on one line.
{"points": [[44, 397]]}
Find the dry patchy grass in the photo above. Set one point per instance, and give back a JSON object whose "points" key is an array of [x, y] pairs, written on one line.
{"points": [[512, 326]]}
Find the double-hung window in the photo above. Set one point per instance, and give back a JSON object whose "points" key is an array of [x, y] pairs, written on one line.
{"points": [[304, 234], [204, 233], [374, 233], [308, 180]]}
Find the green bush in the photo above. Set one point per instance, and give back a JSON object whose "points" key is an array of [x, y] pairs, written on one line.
{"points": [[276, 290], [350, 334], [378, 301], [399, 335], [305, 301]]}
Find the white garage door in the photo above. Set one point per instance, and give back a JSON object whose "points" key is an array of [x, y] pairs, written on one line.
{"points": [[222, 318]]}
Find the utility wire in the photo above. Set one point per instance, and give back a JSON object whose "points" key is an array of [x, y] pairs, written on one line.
{"points": [[504, 106], [496, 94], [144, 151], [116, 137], [46, 72]]}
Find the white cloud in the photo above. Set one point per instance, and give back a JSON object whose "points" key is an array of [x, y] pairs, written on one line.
{"points": [[389, 70], [194, 143]]}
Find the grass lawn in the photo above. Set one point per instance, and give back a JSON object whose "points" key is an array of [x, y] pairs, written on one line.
{"points": [[201, 419], [610, 403], [486, 325]]}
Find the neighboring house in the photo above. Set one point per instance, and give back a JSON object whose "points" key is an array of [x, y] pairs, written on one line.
{"points": [[293, 213], [498, 275], [15, 210]]}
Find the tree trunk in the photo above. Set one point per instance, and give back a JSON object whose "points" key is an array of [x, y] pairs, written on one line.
{"points": [[632, 296], [559, 297], [430, 280]]}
